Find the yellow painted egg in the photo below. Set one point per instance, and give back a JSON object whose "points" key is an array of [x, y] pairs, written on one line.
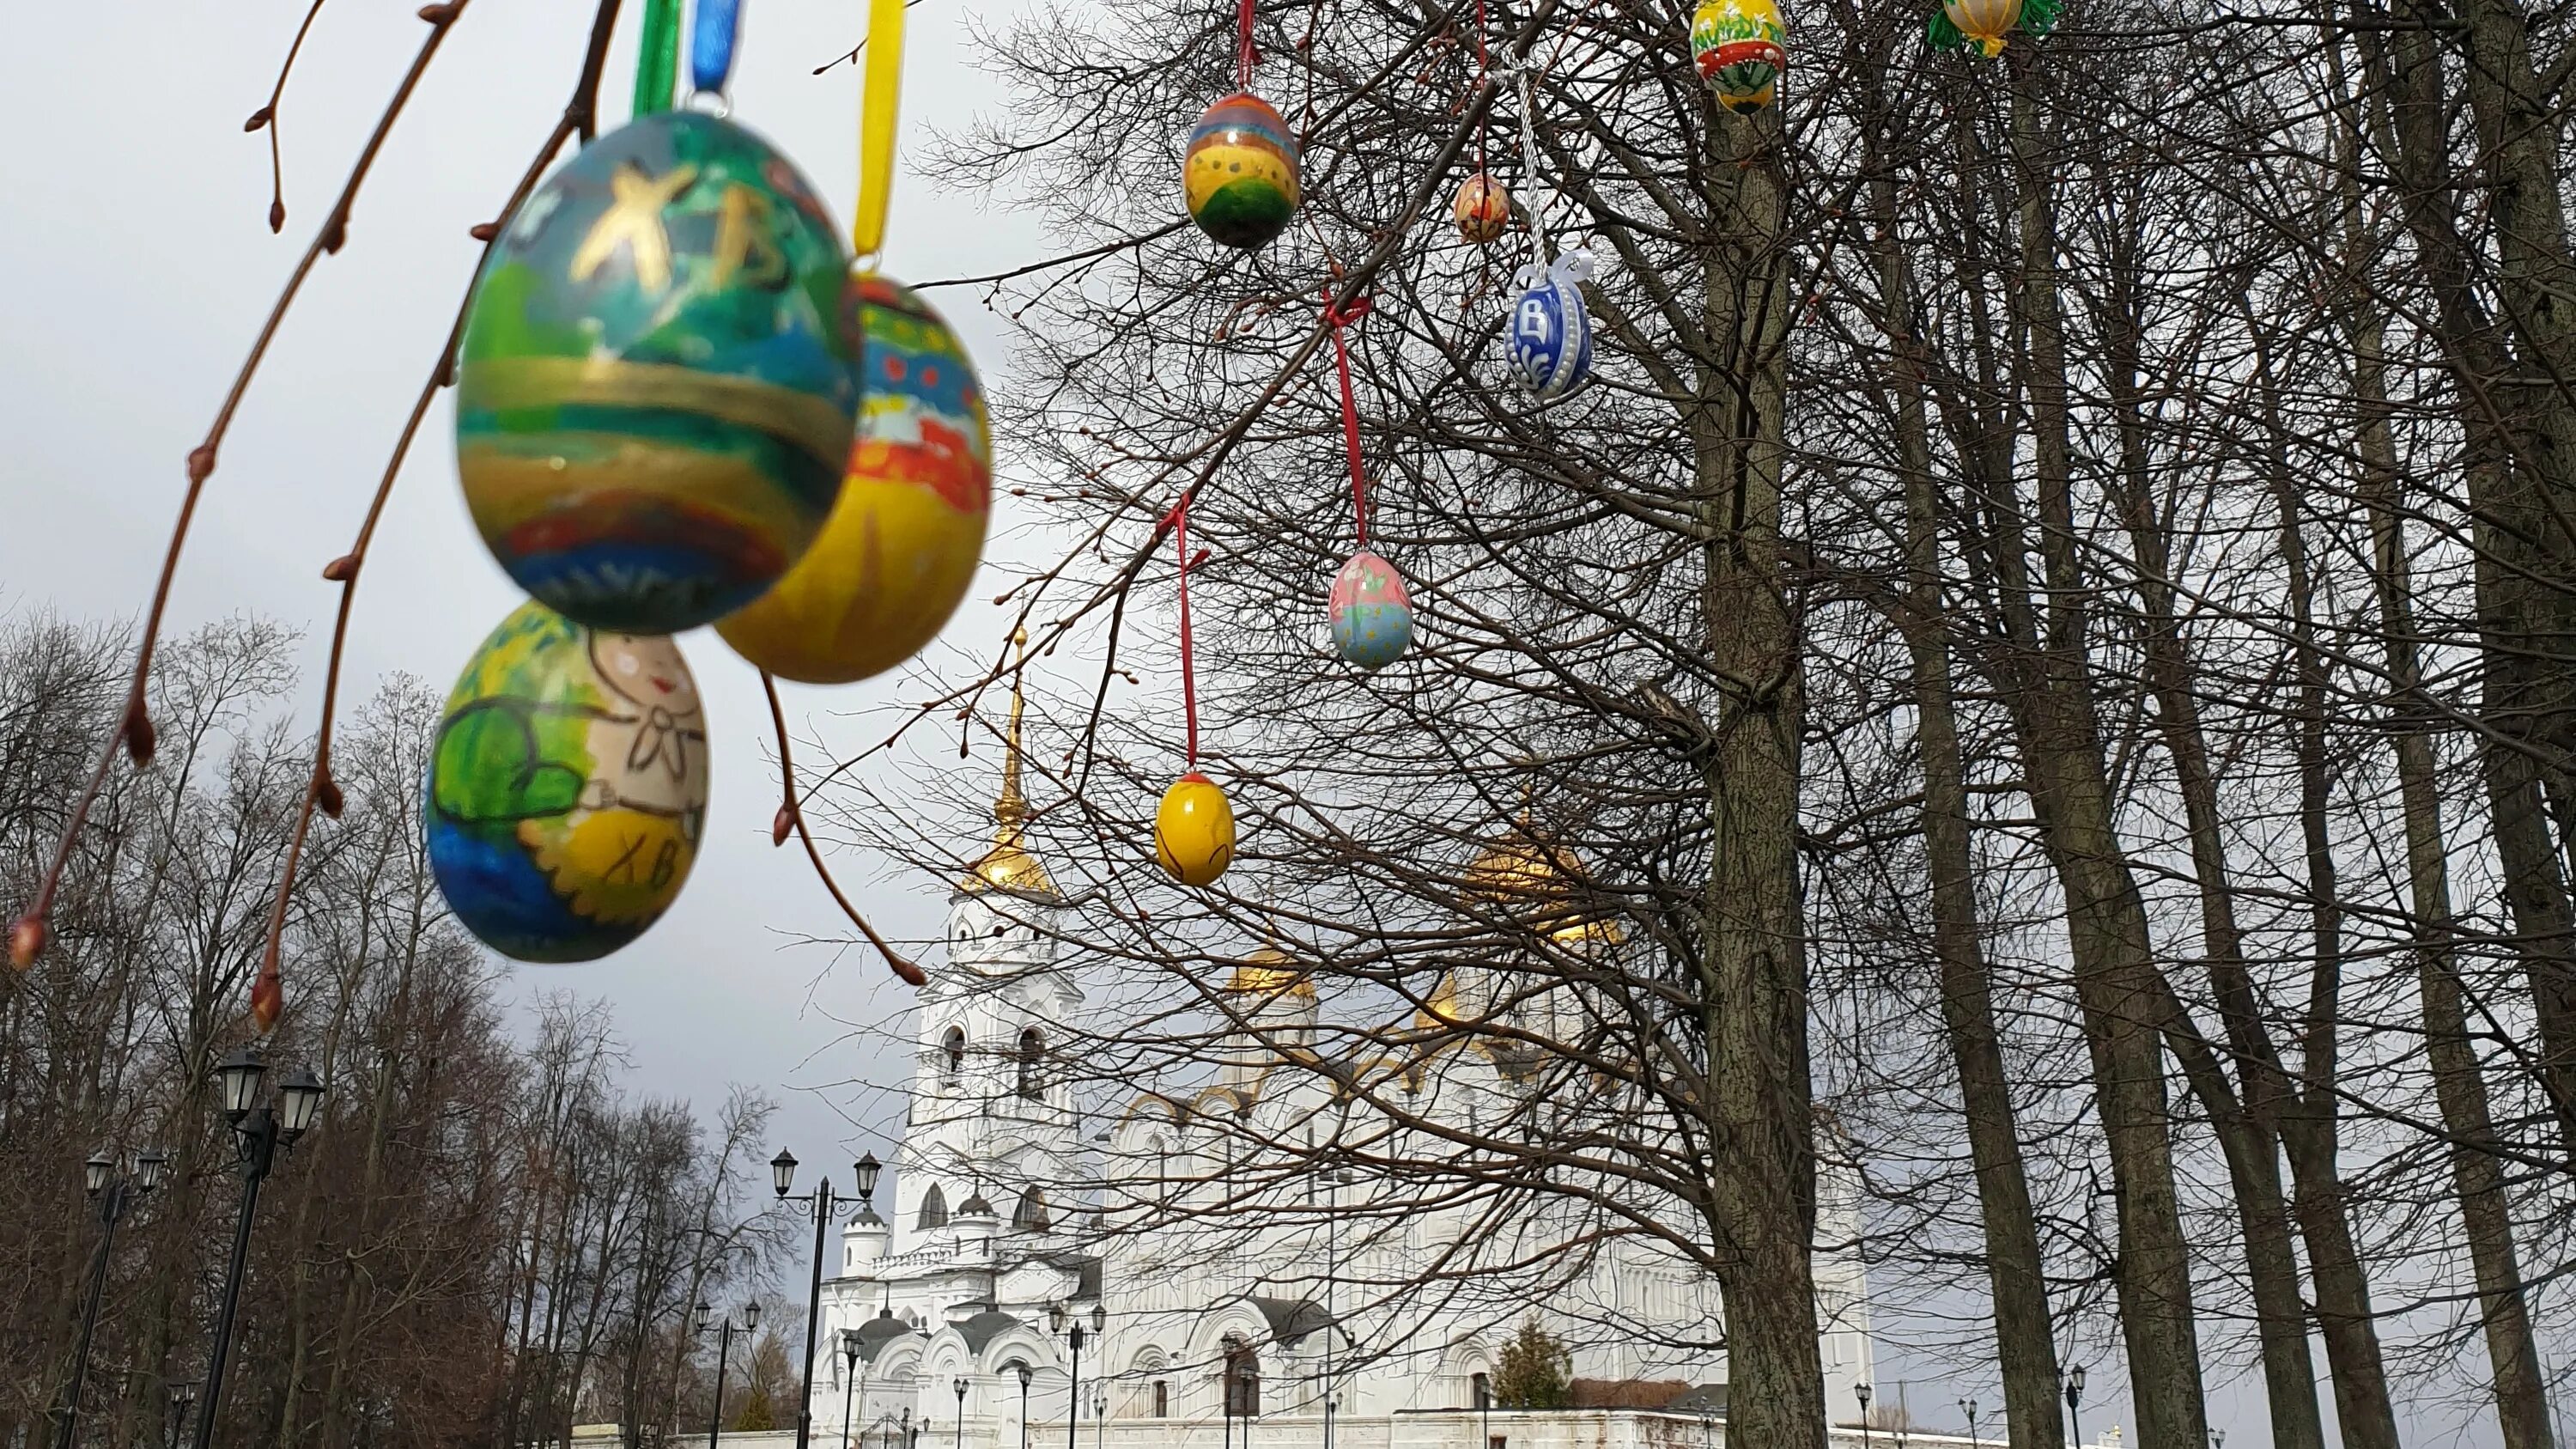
{"points": [[903, 542], [1194, 831], [567, 787]]}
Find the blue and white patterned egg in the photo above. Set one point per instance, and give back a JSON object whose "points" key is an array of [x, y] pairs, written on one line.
{"points": [[1551, 333]]}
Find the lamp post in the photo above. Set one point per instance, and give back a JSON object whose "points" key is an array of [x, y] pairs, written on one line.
{"points": [[1099, 1406], [182, 1394], [2075, 1402], [782, 1176], [1026, 1373], [1860, 1391], [855, 1387], [1969, 1407], [959, 1384], [724, 1356], [1057, 1316], [257, 1134], [114, 1192]]}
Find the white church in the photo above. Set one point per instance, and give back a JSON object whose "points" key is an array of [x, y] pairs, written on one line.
{"points": [[1053, 1269]]}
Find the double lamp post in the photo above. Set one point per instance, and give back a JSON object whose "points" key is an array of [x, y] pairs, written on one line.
{"points": [[782, 1176]]}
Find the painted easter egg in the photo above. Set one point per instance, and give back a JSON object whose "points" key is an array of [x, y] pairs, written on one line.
{"points": [[1741, 48], [567, 787], [1194, 831], [656, 395], [902, 545], [1988, 24], [1551, 334], [1240, 174], [1483, 208], [1372, 614]]}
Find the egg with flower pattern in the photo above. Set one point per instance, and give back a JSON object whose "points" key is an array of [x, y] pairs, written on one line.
{"points": [[567, 787]]}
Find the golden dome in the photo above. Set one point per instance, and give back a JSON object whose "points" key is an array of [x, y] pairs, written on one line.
{"points": [[1542, 880], [1440, 1008], [1270, 972], [1008, 865]]}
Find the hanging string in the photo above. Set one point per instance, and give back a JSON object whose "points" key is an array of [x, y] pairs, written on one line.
{"points": [[1533, 199], [1340, 318], [711, 41], [657, 57], [1179, 519], [1483, 63], [877, 125], [1245, 56]]}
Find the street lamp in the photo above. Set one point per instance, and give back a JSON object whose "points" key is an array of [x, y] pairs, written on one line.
{"points": [[959, 1384], [257, 1134], [1057, 1316], [853, 1386], [1860, 1391], [2075, 1402], [782, 1176], [182, 1394], [113, 1192], [1969, 1407], [1026, 1373], [724, 1355]]}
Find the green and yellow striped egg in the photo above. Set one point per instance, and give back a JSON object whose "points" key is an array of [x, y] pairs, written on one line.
{"points": [[1240, 176]]}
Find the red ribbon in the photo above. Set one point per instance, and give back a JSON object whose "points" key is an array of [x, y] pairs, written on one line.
{"points": [[1340, 318], [1179, 519], [1245, 57]]}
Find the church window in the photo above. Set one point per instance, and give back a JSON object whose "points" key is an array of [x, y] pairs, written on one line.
{"points": [[1032, 1052], [954, 1046], [1031, 1214], [1242, 1380], [934, 1209], [1480, 1392], [1162, 1399]]}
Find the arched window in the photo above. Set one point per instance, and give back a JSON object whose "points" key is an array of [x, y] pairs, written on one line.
{"points": [[1031, 1214], [934, 1209], [1242, 1380], [954, 1046], [1480, 1392], [1032, 1052], [1162, 1399]]}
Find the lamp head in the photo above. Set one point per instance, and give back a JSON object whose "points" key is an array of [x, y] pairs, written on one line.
{"points": [[95, 1170], [866, 1169], [147, 1167], [1055, 1318], [959, 1384], [850, 1344], [705, 1311], [1861, 1392], [782, 1171], [237, 1081], [2075, 1382], [1026, 1374], [1099, 1319], [750, 1316], [299, 1101]]}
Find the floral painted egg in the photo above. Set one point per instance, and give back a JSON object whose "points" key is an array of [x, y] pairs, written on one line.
{"points": [[1551, 332], [1194, 831], [1372, 614], [1240, 175], [1741, 48], [903, 543], [1483, 208], [655, 396], [567, 787]]}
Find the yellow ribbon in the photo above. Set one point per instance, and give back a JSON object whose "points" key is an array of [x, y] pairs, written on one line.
{"points": [[876, 124]]}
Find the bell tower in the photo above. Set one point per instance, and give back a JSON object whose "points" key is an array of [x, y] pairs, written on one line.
{"points": [[992, 1113]]}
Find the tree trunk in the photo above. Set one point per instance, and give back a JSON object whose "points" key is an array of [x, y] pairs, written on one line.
{"points": [[1762, 1186], [2015, 1273]]}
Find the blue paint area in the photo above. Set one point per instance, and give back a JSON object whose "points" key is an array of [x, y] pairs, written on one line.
{"points": [[1551, 338], [501, 896], [1372, 636]]}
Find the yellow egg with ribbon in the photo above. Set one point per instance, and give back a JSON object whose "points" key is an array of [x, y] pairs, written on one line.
{"points": [[1194, 831], [905, 538]]}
